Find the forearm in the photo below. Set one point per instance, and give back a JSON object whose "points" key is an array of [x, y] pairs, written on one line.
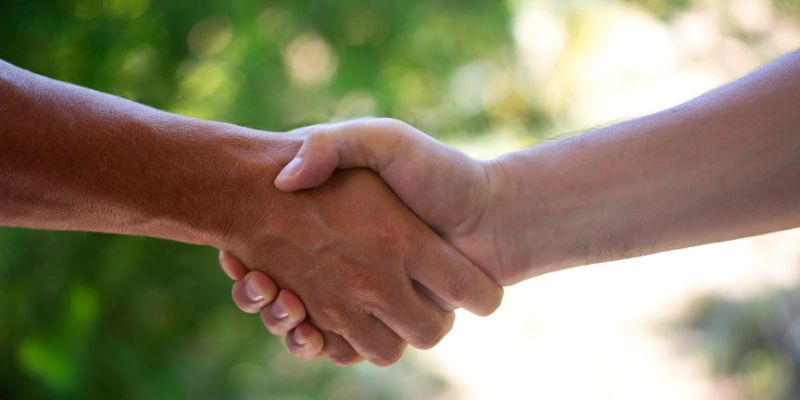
{"points": [[723, 166], [76, 159]]}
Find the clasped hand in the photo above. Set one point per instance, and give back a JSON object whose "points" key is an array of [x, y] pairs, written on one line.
{"points": [[381, 278]]}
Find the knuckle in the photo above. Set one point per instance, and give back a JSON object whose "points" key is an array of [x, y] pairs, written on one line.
{"points": [[387, 358], [496, 301], [431, 334], [368, 292], [343, 360], [488, 301], [317, 135], [366, 119], [384, 361], [392, 123], [338, 350]]}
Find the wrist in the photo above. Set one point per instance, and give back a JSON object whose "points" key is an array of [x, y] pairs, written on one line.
{"points": [[539, 211], [214, 181], [511, 217], [577, 202], [253, 203]]}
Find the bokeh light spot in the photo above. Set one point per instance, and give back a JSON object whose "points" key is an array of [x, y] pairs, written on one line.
{"points": [[139, 61], [202, 80], [540, 35], [210, 36], [310, 60], [356, 104]]}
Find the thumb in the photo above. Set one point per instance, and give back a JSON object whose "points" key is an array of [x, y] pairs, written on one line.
{"points": [[350, 144], [312, 166]]}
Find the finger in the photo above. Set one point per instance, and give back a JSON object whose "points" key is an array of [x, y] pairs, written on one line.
{"points": [[305, 341], [284, 314], [232, 266], [454, 279], [339, 350], [374, 341], [416, 319], [253, 292], [434, 297]]}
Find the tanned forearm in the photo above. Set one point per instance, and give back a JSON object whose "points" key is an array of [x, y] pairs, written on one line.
{"points": [[76, 159], [723, 166]]}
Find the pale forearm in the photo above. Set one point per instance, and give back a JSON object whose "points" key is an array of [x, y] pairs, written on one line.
{"points": [[723, 166], [76, 159]]}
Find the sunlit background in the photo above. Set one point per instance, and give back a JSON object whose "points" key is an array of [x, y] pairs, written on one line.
{"points": [[97, 316]]}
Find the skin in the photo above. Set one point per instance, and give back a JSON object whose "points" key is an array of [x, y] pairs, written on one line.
{"points": [[255, 292], [723, 166], [75, 159]]}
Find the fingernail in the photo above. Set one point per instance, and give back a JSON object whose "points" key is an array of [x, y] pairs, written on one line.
{"points": [[278, 311], [298, 339], [291, 169], [252, 292]]}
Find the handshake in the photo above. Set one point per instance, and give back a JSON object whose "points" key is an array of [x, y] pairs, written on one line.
{"points": [[356, 273], [358, 263]]}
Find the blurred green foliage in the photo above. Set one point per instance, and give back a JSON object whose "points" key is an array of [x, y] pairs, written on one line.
{"points": [[98, 316], [755, 341], [225, 59]]}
